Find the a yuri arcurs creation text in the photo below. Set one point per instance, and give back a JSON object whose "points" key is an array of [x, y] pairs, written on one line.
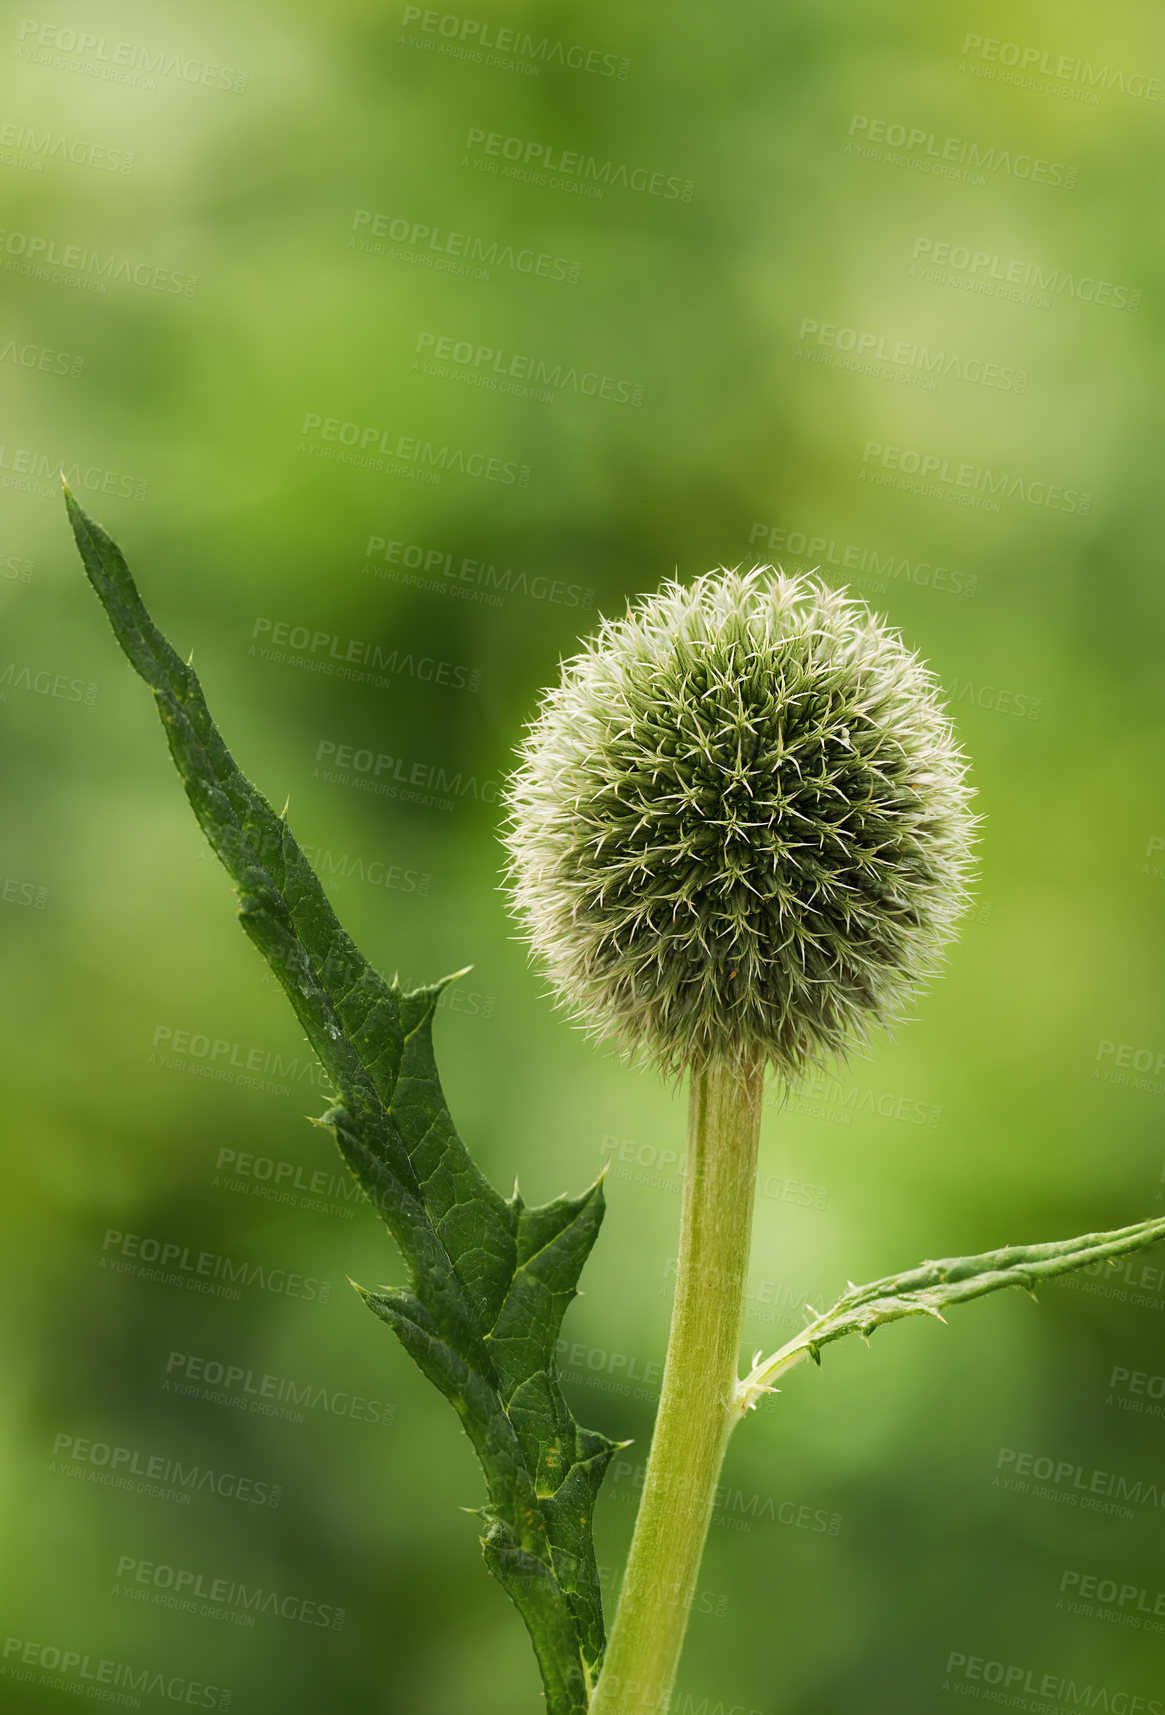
{"points": [[739, 835]]}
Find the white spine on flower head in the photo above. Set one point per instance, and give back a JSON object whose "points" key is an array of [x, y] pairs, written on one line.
{"points": [[740, 824]]}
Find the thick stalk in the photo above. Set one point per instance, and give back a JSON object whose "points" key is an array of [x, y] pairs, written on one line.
{"points": [[696, 1407]]}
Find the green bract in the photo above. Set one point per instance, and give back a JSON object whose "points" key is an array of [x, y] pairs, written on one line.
{"points": [[740, 822]]}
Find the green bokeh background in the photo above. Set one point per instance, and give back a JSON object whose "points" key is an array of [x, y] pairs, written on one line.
{"points": [[982, 1122]]}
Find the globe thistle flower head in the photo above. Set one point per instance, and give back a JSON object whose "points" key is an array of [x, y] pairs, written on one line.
{"points": [[740, 824]]}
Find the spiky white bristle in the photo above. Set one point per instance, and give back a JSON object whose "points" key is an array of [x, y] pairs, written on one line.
{"points": [[740, 822]]}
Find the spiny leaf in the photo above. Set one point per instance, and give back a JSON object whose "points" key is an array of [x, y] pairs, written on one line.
{"points": [[930, 1288], [489, 1278]]}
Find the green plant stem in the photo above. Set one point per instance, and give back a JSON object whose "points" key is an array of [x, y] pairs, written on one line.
{"points": [[697, 1406]]}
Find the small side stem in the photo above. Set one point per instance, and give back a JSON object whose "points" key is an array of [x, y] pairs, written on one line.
{"points": [[697, 1406]]}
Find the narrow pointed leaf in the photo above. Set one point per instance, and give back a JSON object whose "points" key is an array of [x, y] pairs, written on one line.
{"points": [[489, 1278]]}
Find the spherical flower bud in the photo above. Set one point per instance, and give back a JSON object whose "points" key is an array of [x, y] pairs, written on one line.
{"points": [[740, 824]]}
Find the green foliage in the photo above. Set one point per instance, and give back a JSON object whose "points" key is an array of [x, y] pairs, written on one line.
{"points": [[929, 1289], [489, 1278]]}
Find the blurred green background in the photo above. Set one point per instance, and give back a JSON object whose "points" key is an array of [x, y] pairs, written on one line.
{"points": [[762, 273]]}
